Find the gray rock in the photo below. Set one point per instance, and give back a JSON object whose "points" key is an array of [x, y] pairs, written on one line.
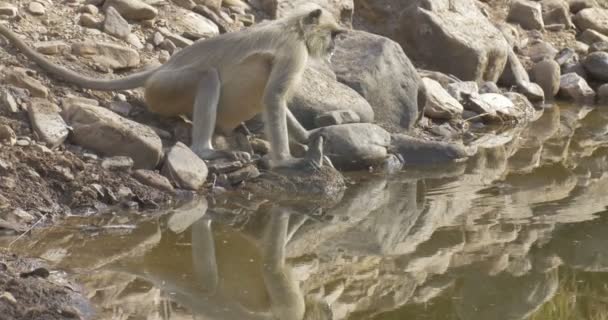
{"points": [[185, 168], [540, 50], [578, 5], [591, 36], [527, 14], [320, 92], [7, 101], [8, 10], [90, 9], [596, 65], [573, 86], [556, 12], [118, 163], [336, 117], [547, 73], [440, 104], [602, 94], [355, 146], [421, 152], [460, 89], [592, 18], [378, 69], [132, 9], [188, 22], [153, 179], [514, 72], [107, 54], [47, 122], [105, 132], [115, 24], [581, 48], [566, 55], [21, 78], [7, 135], [432, 32], [89, 21], [576, 67], [599, 46], [36, 8]]}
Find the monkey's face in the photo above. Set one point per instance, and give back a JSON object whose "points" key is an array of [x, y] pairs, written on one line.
{"points": [[320, 33]]}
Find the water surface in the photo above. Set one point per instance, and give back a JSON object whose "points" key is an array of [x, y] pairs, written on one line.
{"points": [[517, 232]]}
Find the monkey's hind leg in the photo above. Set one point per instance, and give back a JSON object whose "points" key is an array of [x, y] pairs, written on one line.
{"points": [[204, 117]]}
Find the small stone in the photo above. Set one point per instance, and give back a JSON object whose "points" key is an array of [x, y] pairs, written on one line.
{"points": [[574, 87], [7, 135], [23, 142], [440, 104], [123, 108], [132, 9], [185, 168], [118, 163], [158, 38], [581, 48], [8, 297], [89, 21], [64, 173], [90, 9], [7, 101], [153, 179], [115, 24], [20, 77], [566, 55], [47, 123], [164, 56], [526, 13], [168, 45], [133, 40], [7, 183], [52, 47], [531, 90], [36, 8], [260, 146]]}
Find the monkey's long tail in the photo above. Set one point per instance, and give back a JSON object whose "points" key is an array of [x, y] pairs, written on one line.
{"points": [[129, 82]]}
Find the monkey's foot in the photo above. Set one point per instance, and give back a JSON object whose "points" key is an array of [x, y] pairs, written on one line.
{"points": [[210, 154]]}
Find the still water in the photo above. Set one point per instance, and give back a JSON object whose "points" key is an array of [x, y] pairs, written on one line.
{"points": [[520, 231]]}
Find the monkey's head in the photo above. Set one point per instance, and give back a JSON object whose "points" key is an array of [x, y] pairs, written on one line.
{"points": [[320, 29]]}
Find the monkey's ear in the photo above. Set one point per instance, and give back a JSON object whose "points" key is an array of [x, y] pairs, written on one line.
{"points": [[313, 17]]}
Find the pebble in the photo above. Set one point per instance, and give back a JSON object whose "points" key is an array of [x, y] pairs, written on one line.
{"points": [[7, 135], [36, 8], [121, 163]]}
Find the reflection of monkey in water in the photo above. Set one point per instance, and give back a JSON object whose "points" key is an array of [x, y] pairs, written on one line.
{"points": [[228, 79]]}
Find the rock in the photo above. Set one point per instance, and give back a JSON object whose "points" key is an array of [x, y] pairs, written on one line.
{"points": [[319, 92], [133, 40], [115, 24], [556, 12], [599, 46], [118, 163], [596, 65], [514, 72], [592, 18], [46, 122], [107, 54], [123, 108], [342, 9], [460, 89], [440, 104], [7, 101], [51, 47], [578, 5], [566, 55], [547, 74], [8, 10], [590, 37], [581, 48], [185, 168], [36, 8], [540, 50], [89, 21], [421, 152], [132, 9], [502, 105], [7, 135], [573, 86], [524, 110], [378, 69], [187, 22], [602, 94], [105, 132], [20, 77], [355, 146], [489, 87], [90, 9], [336, 117], [532, 91], [153, 179], [527, 14], [576, 67], [186, 4], [177, 40], [431, 32]]}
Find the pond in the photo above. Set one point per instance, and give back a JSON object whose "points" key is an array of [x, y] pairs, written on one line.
{"points": [[517, 232]]}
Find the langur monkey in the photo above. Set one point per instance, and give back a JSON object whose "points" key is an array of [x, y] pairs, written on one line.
{"points": [[228, 79]]}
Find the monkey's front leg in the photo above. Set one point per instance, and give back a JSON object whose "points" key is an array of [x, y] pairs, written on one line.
{"points": [[204, 117]]}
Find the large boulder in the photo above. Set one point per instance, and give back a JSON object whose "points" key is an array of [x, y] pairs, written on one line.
{"points": [[453, 37], [104, 131], [592, 18], [320, 92], [342, 9], [378, 69]]}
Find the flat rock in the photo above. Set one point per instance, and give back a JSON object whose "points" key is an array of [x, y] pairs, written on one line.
{"points": [[115, 24], [378, 69], [421, 152], [355, 146], [20, 77], [185, 168], [51, 47], [596, 65], [592, 18], [47, 122], [527, 14], [132, 9], [502, 105], [573, 86], [188, 22], [547, 73], [440, 104], [107, 54], [153, 179], [105, 132]]}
